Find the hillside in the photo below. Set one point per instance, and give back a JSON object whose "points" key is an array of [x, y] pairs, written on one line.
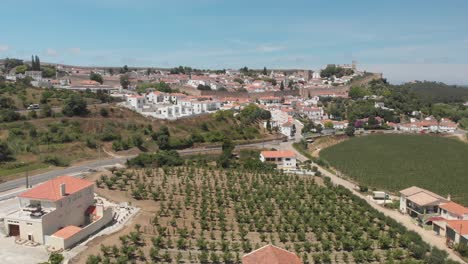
{"points": [[37, 143], [395, 162], [435, 92]]}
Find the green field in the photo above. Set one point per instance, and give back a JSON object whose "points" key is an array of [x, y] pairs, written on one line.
{"points": [[395, 162]]}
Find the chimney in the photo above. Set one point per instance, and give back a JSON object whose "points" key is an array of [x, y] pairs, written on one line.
{"points": [[449, 198], [62, 189]]}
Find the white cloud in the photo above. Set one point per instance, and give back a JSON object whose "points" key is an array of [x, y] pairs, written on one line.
{"points": [[4, 48], [51, 52], [75, 50], [269, 48]]}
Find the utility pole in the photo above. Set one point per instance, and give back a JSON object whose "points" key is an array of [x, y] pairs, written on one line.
{"points": [[27, 177], [99, 144]]}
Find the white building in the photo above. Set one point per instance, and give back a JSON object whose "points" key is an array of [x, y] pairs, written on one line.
{"points": [[136, 101], [58, 213], [416, 201], [282, 159]]}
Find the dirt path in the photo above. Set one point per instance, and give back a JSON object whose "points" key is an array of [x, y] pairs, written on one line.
{"points": [[428, 236]]}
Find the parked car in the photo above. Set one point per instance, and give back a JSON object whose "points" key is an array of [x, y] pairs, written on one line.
{"points": [[33, 106]]}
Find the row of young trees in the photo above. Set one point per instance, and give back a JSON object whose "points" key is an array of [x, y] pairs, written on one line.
{"points": [[207, 215]]}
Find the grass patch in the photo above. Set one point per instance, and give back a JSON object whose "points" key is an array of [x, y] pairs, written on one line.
{"points": [[22, 169], [395, 162]]}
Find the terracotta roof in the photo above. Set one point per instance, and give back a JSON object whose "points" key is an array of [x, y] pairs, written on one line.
{"points": [[67, 231], [278, 154], [271, 255], [454, 208], [50, 190], [459, 226]]}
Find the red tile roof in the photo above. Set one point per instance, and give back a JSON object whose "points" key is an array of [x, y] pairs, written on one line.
{"points": [[67, 231], [459, 226], [454, 208], [271, 255], [50, 190], [278, 154]]}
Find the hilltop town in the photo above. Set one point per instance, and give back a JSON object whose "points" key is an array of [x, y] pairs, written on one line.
{"points": [[173, 161]]}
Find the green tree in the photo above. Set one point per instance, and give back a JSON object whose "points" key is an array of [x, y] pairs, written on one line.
{"points": [[46, 110], [350, 130], [268, 125], [21, 69], [356, 92], [6, 154], [55, 258], [265, 71], [37, 63], [48, 71], [224, 159], [96, 77], [124, 81], [328, 125], [282, 86], [104, 112], [75, 105]]}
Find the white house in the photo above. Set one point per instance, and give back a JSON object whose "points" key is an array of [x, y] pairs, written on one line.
{"points": [[416, 201], [453, 211], [58, 213], [136, 101], [283, 159]]}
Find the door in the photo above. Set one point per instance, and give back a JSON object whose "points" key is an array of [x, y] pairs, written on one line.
{"points": [[14, 230]]}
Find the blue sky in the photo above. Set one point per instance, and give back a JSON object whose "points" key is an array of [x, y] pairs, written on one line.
{"points": [[426, 40]]}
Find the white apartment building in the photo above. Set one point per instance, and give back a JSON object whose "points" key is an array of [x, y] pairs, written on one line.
{"points": [[58, 213], [136, 101], [171, 105]]}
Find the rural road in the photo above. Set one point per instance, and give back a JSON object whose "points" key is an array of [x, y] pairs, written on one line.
{"points": [[428, 236], [74, 170], [55, 109], [96, 164]]}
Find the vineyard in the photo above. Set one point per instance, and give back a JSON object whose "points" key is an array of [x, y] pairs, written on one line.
{"points": [[202, 214], [395, 162]]}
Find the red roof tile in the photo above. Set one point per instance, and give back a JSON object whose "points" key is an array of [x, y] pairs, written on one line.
{"points": [[67, 231], [50, 190], [271, 255], [459, 226], [278, 154], [454, 208]]}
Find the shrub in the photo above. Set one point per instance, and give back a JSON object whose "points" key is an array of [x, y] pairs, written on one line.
{"points": [[160, 158], [56, 161]]}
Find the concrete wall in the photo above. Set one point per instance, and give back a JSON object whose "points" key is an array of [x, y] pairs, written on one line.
{"points": [[70, 210], [250, 95], [31, 227], [61, 243]]}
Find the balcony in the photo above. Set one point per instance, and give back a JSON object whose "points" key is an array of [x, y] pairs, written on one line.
{"points": [[35, 210]]}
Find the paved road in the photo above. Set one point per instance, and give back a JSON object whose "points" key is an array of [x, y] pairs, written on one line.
{"points": [[74, 170], [55, 109], [96, 164]]}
